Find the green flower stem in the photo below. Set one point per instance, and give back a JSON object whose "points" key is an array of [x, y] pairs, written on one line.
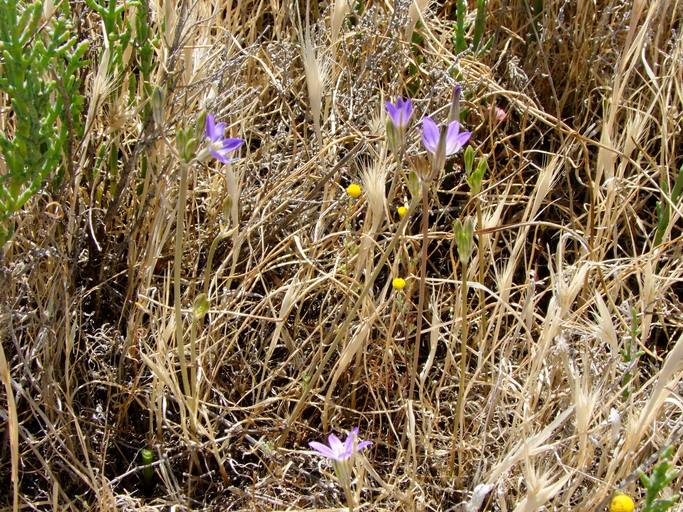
{"points": [[424, 229], [229, 231], [399, 174], [194, 393], [482, 275], [147, 458], [459, 416], [343, 472], [177, 266]]}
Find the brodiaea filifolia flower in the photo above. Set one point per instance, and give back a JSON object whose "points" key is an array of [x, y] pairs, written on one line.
{"points": [[220, 147], [455, 139], [338, 451], [400, 113], [399, 119]]}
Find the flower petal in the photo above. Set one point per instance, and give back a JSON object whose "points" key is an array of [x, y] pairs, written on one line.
{"points": [[337, 447], [231, 145], [214, 131], [393, 113], [322, 449], [350, 440], [221, 156], [430, 135], [452, 138], [406, 112], [463, 137], [210, 127], [220, 130], [362, 445], [455, 139]]}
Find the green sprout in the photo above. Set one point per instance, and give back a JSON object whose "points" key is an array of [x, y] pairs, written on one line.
{"points": [[147, 458], [463, 238], [663, 206], [474, 175], [662, 475], [460, 30], [627, 353]]}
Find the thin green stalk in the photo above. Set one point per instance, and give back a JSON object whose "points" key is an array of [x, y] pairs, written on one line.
{"points": [[350, 501], [399, 176], [177, 265], [482, 275], [459, 415], [194, 400], [424, 228], [343, 471]]}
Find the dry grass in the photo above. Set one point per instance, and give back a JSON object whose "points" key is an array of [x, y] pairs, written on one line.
{"points": [[305, 335]]}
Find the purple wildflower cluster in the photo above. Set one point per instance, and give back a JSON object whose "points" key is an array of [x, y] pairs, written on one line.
{"points": [[399, 113], [455, 139]]}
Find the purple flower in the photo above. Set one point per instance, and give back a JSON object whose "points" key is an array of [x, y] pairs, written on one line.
{"points": [[455, 139], [220, 147], [338, 451], [400, 113]]}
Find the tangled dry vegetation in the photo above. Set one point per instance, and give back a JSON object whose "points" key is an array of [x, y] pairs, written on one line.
{"points": [[304, 334]]}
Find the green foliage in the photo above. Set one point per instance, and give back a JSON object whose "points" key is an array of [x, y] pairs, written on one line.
{"points": [[144, 48], [663, 207], [463, 237], [117, 27], [128, 56], [147, 458], [186, 143], [188, 137], [627, 353], [460, 29], [468, 159], [662, 475], [417, 49], [40, 63], [474, 176], [414, 184], [200, 307], [116, 19]]}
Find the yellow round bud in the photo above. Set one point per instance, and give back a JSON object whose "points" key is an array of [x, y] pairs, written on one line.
{"points": [[354, 190], [398, 283], [622, 503], [402, 210]]}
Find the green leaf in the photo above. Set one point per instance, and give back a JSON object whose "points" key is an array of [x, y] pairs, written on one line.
{"points": [[147, 457], [201, 306], [459, 35], [463, 238], [468, 158], [479, 25]]}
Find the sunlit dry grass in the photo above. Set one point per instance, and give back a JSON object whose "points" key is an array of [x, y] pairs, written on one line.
{"points": [[305, 334]]}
